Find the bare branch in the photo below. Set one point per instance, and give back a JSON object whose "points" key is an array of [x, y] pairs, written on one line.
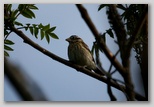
{"points": [[25, 86], [63, 61]]}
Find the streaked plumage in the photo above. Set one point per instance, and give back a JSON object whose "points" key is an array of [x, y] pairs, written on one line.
{"points": [[79, 53]]}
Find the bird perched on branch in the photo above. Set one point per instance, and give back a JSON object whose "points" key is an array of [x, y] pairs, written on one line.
{"points": [[79, 53]]}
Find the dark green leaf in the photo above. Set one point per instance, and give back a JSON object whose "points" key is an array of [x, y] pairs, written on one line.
{"points": [[26, 28], [47, 37], [104, 37], [120, 6], [110, 33], [28, 11], [18, 23], [53, 35], [42, 34], [5, 53], [8, 48], [5, 32], [102, 6], [51, 29], [40, 25], [26, 14], [34, 25], [93, 48], [46, 27], [9, 42], [28, 24], [31, 30], [33, 7], [21, 7], [36, 32], [14, 13], [9, 7]]}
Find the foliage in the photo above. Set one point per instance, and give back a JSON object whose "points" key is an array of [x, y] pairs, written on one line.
{"points": [[130, 14], [25, 10]]}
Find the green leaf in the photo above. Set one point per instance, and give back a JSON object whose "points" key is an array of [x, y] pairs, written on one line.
{"points": [[8, 48], [5, 32], [104, 37], [30, 13], [40, 25], [36, 32], [110, 33], [28, 24], [31, 30], [33, 7], [9, 7], [18, 23], [9, 42], [46, 27], [93, 48], [5, 53], [14, 13], [102, 6], [42, 34], [21, 7], [51, 29], [53, 35], [26, 14], [120, 6], [47, 37]]}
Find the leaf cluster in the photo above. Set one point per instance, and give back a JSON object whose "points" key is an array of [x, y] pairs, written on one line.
{"points": [[25, 10]]}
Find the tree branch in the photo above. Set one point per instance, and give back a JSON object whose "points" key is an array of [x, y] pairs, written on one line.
{"points": [[138, 28], [63, 61], [119, 29], [25, 86], [99, 40]]}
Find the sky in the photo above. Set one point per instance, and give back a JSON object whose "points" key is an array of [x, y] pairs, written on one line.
{"points": [[57, 81]]}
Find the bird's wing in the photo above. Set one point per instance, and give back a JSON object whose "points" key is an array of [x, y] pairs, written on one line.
{"points": [[86, 46]]}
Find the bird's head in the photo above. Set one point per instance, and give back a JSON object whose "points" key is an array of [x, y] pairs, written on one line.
{"points": [[74, 39]]}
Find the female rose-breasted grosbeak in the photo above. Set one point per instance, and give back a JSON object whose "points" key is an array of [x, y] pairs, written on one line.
{"points": [[79, 53]]}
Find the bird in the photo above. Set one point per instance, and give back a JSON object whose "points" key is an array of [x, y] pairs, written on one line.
{"points": [[79, 53]]}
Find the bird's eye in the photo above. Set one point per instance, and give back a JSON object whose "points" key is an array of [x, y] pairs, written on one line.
{"points": [[72, 37]]}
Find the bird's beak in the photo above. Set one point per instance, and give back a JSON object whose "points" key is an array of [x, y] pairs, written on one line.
{"points": [[68, 39]]}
